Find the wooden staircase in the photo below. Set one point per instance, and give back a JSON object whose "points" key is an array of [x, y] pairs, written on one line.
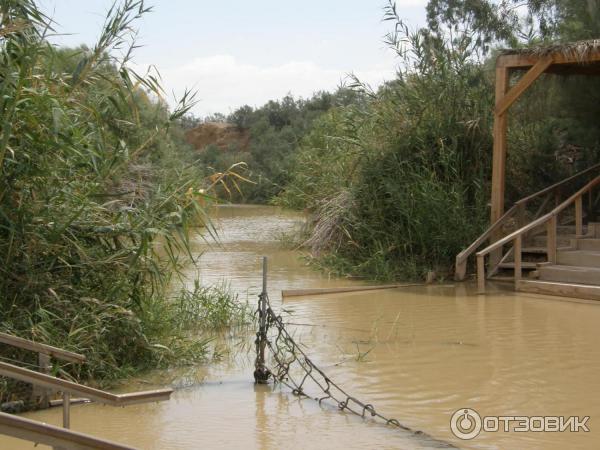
{"points": [[576, 272], [553, 252]]}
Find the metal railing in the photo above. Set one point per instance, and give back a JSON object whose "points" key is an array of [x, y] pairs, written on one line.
{"points": [[68, 387], [58, 438], [45, 352]]}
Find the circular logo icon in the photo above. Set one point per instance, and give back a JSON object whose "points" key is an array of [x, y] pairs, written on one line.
{"points": [[465, 423]]}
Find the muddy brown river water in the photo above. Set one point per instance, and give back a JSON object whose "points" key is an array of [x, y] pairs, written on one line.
{"points": [[418, 354]]}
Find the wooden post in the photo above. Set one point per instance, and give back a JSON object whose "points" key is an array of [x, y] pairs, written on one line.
{"points": [[499, 158], [590, 206], [66, 410], [504, 99], [579, 216], [551, 242], [480, 274], [591, 213], [557, 196], [42, 395], [460, 269], [517, 251]]}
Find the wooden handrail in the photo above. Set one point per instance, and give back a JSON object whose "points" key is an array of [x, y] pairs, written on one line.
{"points": [[58, 384], [55, 352], [462, 257], [550, 219], [56, 437], [540, 221], [559, 184]]}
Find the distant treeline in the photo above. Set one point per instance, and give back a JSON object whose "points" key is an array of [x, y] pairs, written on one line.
{"points": [[276, 131]]}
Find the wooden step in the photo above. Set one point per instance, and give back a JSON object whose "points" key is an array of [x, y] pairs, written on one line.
{"points": [[562, 240], [586, 258], [502, 278], [535, 250], [570, 229], [594, 229], [592, 244], [570, 274], [541, 250], [586, 291], [525, 265]]}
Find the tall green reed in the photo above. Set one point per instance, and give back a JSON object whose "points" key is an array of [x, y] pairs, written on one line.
{"points": [[95, 211]]}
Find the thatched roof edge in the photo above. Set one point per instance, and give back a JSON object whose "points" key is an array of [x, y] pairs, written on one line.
{"points": [[580, 50]]}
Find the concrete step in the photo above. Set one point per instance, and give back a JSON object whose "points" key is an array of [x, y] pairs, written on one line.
{"points": [[586, 258], [570, 274], [592, 244], [562, 289]]}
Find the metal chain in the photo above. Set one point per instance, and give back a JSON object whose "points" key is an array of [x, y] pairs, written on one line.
{"points": [[287, 354]]}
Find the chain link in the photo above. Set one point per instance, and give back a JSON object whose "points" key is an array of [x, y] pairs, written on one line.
{"points": [[289, 357]]}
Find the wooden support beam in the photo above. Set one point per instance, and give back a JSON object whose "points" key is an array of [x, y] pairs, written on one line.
{"points": [[499, 156], [527, 80], [499, 160], [338, 290]]}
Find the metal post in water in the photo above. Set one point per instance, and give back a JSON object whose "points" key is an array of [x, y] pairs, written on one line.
{"points": [[66, 410], [261, 373]]}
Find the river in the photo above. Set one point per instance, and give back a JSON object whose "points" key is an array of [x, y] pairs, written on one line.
{"points": [[417, 354]]}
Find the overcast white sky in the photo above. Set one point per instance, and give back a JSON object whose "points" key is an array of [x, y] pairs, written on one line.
{"points": [[248, 52]]}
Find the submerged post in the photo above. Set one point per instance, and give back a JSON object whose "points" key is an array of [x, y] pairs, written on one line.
{"points": [[66, 410], [261, 373]]}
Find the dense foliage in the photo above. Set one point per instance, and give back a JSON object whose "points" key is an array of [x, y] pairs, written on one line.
{"points": [[95, 204], [400, 185]]}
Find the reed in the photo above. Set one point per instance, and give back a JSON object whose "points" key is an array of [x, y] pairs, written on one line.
{"points": [[95, 205]]}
